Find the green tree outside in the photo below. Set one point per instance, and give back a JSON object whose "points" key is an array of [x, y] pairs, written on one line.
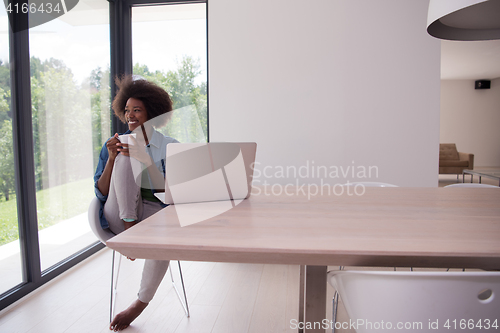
{"points": [[189, 119], [7, 178]]}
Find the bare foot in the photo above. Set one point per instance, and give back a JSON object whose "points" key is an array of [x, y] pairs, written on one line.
{"points": [[124, 318]]}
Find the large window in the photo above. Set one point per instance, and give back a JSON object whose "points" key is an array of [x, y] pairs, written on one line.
{"points": [[55, 116]]}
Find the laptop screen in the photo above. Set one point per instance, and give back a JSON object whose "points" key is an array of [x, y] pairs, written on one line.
{"points": [[204, 172]]}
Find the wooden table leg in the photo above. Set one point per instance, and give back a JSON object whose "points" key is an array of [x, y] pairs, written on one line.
{"points": [[315, 295]]}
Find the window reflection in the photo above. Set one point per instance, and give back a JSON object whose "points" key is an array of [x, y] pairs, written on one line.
{"points": [[70, 95]]}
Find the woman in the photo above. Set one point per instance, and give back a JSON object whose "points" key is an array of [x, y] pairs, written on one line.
{"points": [[128, 174]]}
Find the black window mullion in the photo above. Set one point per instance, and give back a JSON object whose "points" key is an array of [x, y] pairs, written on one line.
{"points": [[121, 50], [23, 146]]}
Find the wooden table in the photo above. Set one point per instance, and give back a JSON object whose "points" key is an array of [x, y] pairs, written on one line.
{"points": [[404, 227]]}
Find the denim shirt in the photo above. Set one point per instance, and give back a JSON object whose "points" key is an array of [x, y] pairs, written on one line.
{"points": [[157, 149]]}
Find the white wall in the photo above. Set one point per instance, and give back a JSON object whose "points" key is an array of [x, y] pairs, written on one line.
{"points": [[328, 82], [470, 118]]}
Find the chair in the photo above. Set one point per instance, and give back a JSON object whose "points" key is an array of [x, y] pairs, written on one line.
{"points": [[419, 301], [103, 235], [471, 185], [451, 161]]}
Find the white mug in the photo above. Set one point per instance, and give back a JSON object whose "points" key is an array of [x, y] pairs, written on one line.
{"points": [[124, 138]]}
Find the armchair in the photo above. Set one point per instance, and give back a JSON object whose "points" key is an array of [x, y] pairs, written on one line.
{"points": [[453, 162]]}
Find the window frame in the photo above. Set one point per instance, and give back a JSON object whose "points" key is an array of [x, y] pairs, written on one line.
{"points": [[121, 33]]}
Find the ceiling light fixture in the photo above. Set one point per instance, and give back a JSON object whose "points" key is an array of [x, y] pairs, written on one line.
{"points": [[464, 19]]}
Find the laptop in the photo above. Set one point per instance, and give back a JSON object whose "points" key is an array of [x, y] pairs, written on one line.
{"points": [[208, 172]]}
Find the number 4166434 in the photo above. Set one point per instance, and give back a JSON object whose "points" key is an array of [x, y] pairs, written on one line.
{"points": [[464, 324], [33, 8]]}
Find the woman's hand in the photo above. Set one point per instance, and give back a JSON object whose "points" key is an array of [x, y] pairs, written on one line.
{"points": [[112, 147]]}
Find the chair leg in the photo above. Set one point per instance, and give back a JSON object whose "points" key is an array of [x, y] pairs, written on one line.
{"points": [[335, 304], [183, 289], [185, 302], [111, 299], [114, 285]]}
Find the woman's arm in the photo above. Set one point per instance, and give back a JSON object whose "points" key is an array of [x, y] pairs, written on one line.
{"points": [[105, 179]]}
